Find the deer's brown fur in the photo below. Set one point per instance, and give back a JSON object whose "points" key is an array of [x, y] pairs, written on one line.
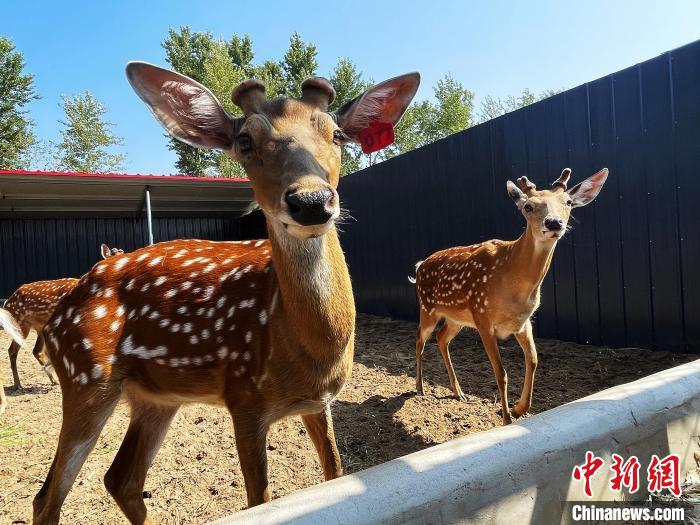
{"points": [[265, 328], [494, 286], [31, 306]]}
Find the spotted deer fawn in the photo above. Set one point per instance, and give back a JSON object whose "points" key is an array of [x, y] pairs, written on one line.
{"points": [[494, 286], [30, 307], [265, 328]]}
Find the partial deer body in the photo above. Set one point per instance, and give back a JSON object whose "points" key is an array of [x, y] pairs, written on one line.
{"points": [[32, 305], [265, 328], [29, 308], [494, 286]]}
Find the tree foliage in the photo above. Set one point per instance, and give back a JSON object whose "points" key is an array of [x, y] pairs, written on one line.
{"points": [[187, 52], [87, 137], [495, 107], [222, 64], [425, 121], [16, 91], [348, 84], [299, 62]]}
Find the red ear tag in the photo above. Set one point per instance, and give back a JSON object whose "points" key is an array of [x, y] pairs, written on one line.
{"points": [[376, 136]]}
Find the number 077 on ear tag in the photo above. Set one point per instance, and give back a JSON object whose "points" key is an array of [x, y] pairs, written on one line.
{"points": [[376, 136]]}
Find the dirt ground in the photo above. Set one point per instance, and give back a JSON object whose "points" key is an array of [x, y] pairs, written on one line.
{"points": [[196, 476]]}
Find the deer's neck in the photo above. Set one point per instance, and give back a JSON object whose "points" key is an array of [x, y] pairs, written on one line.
{"points": [[314, 290], [531, 260]]}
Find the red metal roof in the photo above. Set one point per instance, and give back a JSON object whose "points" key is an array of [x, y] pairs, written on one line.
{"points": [[26, 193], [175, 177]]}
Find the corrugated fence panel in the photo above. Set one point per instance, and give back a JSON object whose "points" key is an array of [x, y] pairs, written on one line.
{"points": [[39, 249], [626, 275], [686, 114]]}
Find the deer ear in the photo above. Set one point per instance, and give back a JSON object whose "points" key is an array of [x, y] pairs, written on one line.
{"points": [[385, 102], [185, 108], [105, 251], [584, 192], [516, 194]]}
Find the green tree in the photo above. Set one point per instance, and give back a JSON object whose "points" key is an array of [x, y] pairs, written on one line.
{"points": [[348, 84], [16, 91], [87, 137], [272, 74], [187, 53], [425, 121], [240, 51], [221, 74], [299, 62], [43, 156], [495, 107], [453, 110]]}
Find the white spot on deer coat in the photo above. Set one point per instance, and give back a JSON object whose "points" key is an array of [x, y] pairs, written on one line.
{"points": [[121, 263]]}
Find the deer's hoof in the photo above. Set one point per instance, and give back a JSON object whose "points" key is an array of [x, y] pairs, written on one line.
{"points": [[519, 410]]}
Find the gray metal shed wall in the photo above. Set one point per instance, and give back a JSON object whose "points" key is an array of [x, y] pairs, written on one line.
{"points": [[38, 249], [627, 275]]}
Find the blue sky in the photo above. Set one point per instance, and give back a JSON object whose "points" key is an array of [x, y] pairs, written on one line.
{"points": [[493, 47]]}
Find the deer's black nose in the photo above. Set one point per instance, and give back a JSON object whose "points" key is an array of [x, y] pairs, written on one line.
{"points": [[554, 225], [310, 207]]}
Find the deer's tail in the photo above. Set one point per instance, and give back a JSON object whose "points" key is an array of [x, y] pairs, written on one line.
{"points": [[11, 326], [412, 280]]}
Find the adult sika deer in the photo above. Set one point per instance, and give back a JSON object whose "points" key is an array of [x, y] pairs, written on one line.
{"points": [[30, 307], [264, 328], [495, 286]]}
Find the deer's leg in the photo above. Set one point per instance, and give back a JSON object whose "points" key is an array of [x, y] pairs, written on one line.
{"points": [[320, 429], [13, 351], [125, 478], [425, 328], [3, 399], [84, 416], [251, 430], [527, 343], [448, 331], [40, 354], [488, 338]]}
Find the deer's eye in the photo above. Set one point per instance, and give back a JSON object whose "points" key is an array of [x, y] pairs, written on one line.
{"points": [[528, 208], [245, 143], [569, 202], [339, 137]]}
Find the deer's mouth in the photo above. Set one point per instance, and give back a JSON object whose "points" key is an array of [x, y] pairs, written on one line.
{"points": [[552, 234], [307, 232]]}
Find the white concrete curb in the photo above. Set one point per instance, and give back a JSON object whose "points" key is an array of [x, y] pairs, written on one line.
{"points": [[515, 474]]}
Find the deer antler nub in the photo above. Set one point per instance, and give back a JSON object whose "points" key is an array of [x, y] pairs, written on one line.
{"points": [[563, 179], [525, 185]]}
